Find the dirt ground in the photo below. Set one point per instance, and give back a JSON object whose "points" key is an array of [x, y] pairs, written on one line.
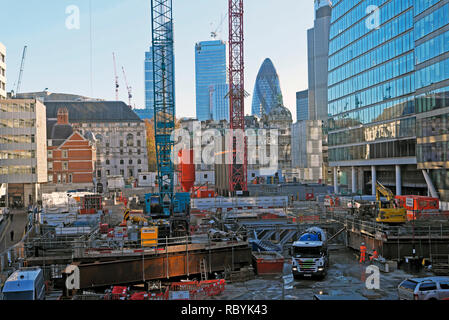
{"points": [[346, 277]]}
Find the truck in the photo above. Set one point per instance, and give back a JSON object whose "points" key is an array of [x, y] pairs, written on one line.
{"points": [[310, 255]]}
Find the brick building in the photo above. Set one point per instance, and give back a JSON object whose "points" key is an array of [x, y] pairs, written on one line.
{"points": [[71, 157]]}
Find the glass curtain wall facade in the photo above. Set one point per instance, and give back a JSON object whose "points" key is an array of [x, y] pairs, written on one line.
{"points": [[148, 112], [210, 71], [432, 91], [267, 90], [302, 105], [387, 68]]}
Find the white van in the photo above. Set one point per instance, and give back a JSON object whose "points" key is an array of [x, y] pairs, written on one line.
{"points": [[430, 288], [25, 284]]}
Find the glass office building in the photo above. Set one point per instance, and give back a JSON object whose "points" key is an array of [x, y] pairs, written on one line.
{"points": [[148, 112], [210, 71], [302, 105], [387, 69], [267, 90]]}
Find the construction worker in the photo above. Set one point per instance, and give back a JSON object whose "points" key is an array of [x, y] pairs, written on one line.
{"points": [[375, 255], [362, 253]]}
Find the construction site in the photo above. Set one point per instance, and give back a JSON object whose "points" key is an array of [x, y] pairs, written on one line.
{"points": [[234, 240]]}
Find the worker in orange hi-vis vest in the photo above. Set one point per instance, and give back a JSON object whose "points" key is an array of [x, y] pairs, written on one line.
{"points": [[362, 253], [375, 255]]}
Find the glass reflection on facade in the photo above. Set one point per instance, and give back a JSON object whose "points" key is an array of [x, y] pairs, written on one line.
{"points": [[267, 91], [388, 94], [210, 70]]}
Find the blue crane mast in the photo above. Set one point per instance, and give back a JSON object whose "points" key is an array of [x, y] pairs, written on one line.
{"points": [[164, 98], [166, 203]]}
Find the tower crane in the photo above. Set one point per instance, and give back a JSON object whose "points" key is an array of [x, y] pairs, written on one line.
{"points": [[238, 168], [130, 96], [165, 204], [22, 66], [117, 86]]}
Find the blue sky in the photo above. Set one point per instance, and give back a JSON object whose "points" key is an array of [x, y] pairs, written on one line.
{"points": [[59, 58]]}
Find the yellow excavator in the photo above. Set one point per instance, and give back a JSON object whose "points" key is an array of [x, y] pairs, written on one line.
{"points": [[388, 212]]}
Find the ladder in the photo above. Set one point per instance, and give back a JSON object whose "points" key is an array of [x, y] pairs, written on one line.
{"points": [[203, 269]]}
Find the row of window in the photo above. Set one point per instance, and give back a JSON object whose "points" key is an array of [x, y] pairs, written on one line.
{"points": [[432, 74], [391, 69], [388, 31], [432, 100], [17, 107], [392, 130], [130, 152], [17, 123], [122, 162], [421, 5], [340, 7], [17, 170], [375, 57], [392, 89], [22, 139], [17, 154], [432, 22], [358, 12], [432, 48], [392, 149], [65, 154], [122, 172], [433, 152], [361, 28], [381, 112], [432, 126], [112, 124]]}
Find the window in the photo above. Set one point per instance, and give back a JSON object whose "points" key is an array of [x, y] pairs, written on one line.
{"points": [[130, 140], [49, 154], [428, 286], [108, 162], [122, 172], [139, 161], [65, 154], [99, 173], [205, 176], [130, 161], [122, 162], [108, 172], [444, 285], [139, 143], [121, 152], [59, 178], [65, 165], [70, 178], [50, 178], [50, 165], [144, 177]]}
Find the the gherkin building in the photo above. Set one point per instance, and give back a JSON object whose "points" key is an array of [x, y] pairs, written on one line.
{"points": [[267, 91]]}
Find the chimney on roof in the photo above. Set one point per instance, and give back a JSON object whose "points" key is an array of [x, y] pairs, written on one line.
{"points": [[63, 116]]}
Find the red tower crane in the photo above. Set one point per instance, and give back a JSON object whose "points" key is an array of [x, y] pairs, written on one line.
{"points": [[238, 168]]}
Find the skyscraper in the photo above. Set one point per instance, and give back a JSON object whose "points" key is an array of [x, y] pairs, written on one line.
{"points": [[317, 49], [388, 95], [148, 112], [211, 87], [267, 90], [302, 105]]}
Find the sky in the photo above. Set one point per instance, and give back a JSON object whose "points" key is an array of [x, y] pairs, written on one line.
{"points": [[60, 58]]}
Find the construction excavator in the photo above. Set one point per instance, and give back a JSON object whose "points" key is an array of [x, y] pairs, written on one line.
{"points": [[388, 211]]}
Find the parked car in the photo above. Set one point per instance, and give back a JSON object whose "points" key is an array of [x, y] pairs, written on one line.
{"points": [[430, 288]]}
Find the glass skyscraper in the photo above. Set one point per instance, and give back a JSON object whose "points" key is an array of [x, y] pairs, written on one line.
{"points": [[211, 87], [148, 112], [388, 79], [267, 90], [302, 105]]}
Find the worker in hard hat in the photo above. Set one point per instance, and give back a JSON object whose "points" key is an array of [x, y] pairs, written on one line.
{"points": [[362, 253], [375, 255]]}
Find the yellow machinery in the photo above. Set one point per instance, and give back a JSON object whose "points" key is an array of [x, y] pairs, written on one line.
{"points": [[148, 236], [389, 212]]}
